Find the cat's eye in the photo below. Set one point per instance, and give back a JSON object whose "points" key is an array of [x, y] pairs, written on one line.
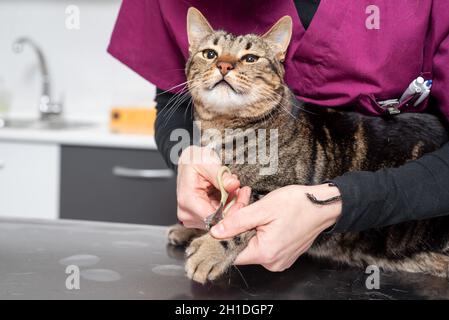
{"points": [[209, 54], [250, 58]]}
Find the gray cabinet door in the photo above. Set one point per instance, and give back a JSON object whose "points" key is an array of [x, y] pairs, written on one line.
{"points": [[106, 184]]}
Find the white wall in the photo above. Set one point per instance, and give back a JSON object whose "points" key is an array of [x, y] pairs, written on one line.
{"points": [[88, 77]]}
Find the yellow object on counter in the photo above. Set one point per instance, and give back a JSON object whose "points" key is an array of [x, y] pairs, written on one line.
{"points": [[133, 120]]}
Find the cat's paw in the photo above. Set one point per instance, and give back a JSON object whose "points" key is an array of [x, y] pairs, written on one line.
{"points": [[179, 235], [208, 258]]}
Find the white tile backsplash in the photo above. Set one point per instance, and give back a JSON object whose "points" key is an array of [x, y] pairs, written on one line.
{"points": [[89, 79]]}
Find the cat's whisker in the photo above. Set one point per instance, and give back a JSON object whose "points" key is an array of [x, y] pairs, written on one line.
{"points": [[284, 108], [189, 106], [175, 99], [166, 110], [184, 90], [241, 275], [176, 103], [297, 106], [175, 107], [176, 86], [269, 97], [255, 96]]}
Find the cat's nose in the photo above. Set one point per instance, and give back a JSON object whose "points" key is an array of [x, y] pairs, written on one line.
{"points": [[224, 67]]}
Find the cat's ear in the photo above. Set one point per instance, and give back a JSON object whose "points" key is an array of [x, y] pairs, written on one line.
{"points": [[197, 26], [279, 36]]}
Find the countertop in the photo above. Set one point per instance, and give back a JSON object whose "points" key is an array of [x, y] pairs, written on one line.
{"points": [[97, 135], [118, 261]]}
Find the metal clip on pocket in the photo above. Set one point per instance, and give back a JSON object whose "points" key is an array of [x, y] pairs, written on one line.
{"points": [[390, 106]]}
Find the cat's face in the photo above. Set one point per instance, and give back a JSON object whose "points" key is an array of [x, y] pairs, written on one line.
{"points": [[231, 75]]}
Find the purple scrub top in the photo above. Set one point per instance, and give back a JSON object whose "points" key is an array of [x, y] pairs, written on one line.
{"points": [[337, 61]]}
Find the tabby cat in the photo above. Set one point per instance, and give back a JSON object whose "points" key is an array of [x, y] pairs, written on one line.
{"points": [[237, 82]]}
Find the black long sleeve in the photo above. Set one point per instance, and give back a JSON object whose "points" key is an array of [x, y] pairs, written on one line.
{"points": [[170, 116], [415, 191]]}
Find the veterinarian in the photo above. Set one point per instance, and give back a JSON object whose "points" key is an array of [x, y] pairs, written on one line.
{"points": [[342, 53]]}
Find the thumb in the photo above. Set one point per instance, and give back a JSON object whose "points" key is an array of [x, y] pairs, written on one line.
{"points": [[240, 221]]}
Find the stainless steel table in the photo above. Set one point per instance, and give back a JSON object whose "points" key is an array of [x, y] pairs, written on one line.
{"points": [[117, 261]]}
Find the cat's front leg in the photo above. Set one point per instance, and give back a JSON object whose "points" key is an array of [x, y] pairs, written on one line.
{"points": [[208, 258]]}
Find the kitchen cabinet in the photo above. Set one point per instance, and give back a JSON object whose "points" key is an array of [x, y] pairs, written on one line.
{"points": [[118, 185], [29, 180]]}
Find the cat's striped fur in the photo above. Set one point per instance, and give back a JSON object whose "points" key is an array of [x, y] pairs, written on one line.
{"points": [[317, 145]]}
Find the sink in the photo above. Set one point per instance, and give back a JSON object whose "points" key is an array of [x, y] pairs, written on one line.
{"points": [[53, 124]]}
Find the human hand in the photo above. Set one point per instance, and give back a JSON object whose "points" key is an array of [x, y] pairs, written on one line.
{"points": [[286, 222], [197, 189]]}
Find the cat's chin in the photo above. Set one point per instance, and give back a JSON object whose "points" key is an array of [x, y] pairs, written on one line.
{"points": [[223, 100]]}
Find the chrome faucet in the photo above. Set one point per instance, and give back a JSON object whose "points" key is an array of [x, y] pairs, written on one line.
{"points": [[48, 108]]}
